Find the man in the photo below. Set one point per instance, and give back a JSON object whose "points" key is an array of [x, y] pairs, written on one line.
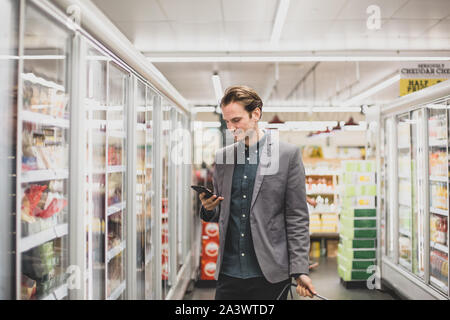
{"points": [[263, 216]]}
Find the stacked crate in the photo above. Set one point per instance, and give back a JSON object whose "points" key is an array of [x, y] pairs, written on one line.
{"points": [[357, 244]]}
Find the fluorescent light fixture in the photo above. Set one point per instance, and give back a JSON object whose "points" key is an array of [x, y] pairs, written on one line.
{"points": [[293, 59], [203, 109], [206, 124], [373, 90], [292, 109], [280, 18], [44, 57], [217, 87]]}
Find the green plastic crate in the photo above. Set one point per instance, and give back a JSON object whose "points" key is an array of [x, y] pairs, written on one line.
{"points": [[355, 264], [357, 233], [347, 222], [358, 243], [353, 275], [351, 253], [359, 213]]}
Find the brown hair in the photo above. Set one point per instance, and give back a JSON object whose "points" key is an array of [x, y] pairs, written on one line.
{"points": [[243, 95]]}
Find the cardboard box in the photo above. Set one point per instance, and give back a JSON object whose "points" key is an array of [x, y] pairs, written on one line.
{"points": [[332, 248]]}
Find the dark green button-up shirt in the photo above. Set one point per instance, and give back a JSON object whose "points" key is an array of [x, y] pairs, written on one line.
{"points": [[239, 259]]}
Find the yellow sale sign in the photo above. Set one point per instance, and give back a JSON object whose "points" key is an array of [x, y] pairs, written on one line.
{"points": [[416, 76], [408, 86]]}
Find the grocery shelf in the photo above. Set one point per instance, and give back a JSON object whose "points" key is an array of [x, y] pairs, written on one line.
{"points": [[325, 235], [404, 204], [321, 193], [113, 169], [115, 251], [116, 208], [38, 80], [117, 292], [404, 177], [439, 179], [439, 211], [141, 109], [438, 143], [44, 175], [322, 173], [141, 127], [439, 246], [438, 283], [42, 237], [404, 232], [117, 134], [403, 147], [43, 119]]}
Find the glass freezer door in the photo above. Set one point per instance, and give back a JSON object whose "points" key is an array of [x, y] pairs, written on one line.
{"points": [[96, 110], [140, 189], [42, 187], [149, 195], [115, 182], [438, 184], [405, 203]]}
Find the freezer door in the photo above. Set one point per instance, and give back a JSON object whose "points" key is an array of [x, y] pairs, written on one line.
{"points": [[43, 159]]}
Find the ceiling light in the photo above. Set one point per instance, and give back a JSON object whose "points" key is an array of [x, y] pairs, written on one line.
{"points": [[217, 87], [294, 59], [280, 18], [373, 90]]}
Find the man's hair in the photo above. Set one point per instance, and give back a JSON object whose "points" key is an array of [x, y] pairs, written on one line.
{"points": [[243, 95]]}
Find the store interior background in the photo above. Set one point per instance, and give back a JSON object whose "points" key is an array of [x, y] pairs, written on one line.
{"points": [[321, 68]]}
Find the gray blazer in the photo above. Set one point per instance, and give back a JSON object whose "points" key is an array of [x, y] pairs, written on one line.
{"points": [[279, 217]]}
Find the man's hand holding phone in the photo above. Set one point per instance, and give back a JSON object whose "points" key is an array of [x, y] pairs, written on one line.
{"points": [[210, 203]]}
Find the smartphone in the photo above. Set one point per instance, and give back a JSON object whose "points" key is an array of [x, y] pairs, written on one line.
{"points": [[202, 189]]}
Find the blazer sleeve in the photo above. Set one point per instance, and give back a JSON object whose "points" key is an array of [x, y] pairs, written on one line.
{"points": [[212, 215], [297, 217]]}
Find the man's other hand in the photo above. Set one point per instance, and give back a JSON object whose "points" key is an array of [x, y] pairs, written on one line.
{"points": [[210, 203], [305, 287]]}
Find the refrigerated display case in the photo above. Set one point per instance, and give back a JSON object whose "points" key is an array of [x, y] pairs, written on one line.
{"points": [[43, 171], [438, 127], [415, 213], [72, 203]]}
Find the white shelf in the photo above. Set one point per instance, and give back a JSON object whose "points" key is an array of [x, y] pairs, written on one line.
{"points": [[438, 143], [404, 177], [403, 147], [439, 211], [43, 119], [438, 283], [404, 232], [404, 204], [140, 172], [141, 127], [439, 246], [117, 292], [113, 169], [44, 175], [117, 134], [321, 193], [439, 179], [49, 84], [115, 251], [116, 208], [322, 173], [42, 237]]}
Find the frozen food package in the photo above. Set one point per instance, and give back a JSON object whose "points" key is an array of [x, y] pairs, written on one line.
{"points": [[34, 194]]}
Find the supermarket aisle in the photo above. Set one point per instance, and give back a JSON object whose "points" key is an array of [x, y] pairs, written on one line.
{"points": [[326, 282]]}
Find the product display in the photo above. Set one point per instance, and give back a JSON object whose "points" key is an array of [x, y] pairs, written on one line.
{"points": [[357, 239], [210, 250]]}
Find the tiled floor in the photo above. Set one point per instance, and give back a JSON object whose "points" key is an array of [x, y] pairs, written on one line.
{"points": [[326, 281]]}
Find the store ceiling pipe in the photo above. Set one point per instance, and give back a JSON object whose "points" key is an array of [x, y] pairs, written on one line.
{"points": [[101, 28]]}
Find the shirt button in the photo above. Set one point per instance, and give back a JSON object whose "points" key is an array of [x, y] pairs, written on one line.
{"points": [[243, 216], [243, 254], [248, 159], [242, 234], [244, 196], [245, 177]]}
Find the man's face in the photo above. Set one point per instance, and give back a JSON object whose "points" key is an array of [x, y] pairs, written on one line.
{"points": [[238, 120]]}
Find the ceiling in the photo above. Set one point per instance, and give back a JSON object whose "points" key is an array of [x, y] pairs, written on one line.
{"points": [[198, 28]]}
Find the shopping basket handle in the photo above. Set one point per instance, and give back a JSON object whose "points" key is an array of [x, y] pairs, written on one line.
{"points": [[315, 295]]}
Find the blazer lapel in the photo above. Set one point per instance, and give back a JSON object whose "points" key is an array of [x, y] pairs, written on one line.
{"points": [[263, 161], [226, 189]]}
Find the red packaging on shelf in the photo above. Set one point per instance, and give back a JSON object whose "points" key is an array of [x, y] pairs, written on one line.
{"points": [[211, 229], [208, 268]]}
